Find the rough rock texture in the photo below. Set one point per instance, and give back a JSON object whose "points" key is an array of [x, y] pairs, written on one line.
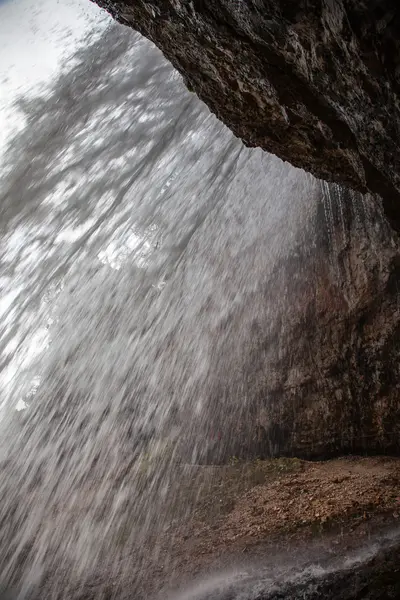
{"points": [[323, 371], [341, 330], [314, 81]]}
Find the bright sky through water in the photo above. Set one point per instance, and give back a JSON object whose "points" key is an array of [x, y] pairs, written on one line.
{"points": [[36, 40]]}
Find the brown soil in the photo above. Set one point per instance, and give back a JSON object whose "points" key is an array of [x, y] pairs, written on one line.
{"points": [[216, 517], [241, 507]]}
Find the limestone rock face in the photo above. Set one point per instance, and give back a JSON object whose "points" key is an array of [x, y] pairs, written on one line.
{"points": [[333, 387], [315, 82], [318, 361]]}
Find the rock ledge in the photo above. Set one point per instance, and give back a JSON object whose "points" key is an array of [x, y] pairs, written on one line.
{"points": [[314, 82]]}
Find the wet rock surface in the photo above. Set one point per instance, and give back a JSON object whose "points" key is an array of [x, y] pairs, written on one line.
{"points": [[377, 578], [316, 83], [332, 387]]}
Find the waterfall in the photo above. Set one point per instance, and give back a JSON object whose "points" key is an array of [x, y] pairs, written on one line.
{"points": [[151, 271]]}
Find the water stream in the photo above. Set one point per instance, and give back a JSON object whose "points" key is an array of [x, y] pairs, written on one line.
{"points": [[138, 238]]}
